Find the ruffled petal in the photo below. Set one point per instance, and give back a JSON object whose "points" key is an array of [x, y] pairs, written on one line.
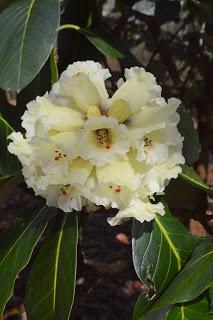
{"points": [[81, 86], [138, 89], [142, 210]]}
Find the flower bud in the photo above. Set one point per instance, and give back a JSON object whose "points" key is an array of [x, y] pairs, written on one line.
{"points": [[119, 110]]}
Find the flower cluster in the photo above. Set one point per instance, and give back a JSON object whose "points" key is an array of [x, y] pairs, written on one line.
{"points": [[83, 147]]}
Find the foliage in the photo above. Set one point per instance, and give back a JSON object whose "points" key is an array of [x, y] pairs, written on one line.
{"points": [[174, 266]]}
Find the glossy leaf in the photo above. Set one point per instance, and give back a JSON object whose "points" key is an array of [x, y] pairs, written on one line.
{"points": [[30, 27], [194, 279], [188, 174], [17, 245], [160, 249], [9, 164], [191, 145], [51, 286], [192, 311], [141, 306]]}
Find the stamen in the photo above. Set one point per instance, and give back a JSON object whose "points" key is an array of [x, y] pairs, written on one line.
{"points": [[103, 137], [59, 155], [118, 189], [147, 142], [65, 189]]}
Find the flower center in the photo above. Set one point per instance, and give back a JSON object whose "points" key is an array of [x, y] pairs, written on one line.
{"points": [[103, 137], [65, 189], [147, 142], [59, 155]]}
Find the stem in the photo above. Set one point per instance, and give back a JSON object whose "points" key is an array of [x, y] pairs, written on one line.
{"points": [[53, 67], [69, 26]]}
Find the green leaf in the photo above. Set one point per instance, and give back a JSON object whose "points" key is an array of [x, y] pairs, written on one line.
{"points": [[51, 286], [189, 175], [53, 67], [191, 145], [100, 44], [141, 306], [5, 3], [189, 311], [9, 164], [211, 296], [103, 46], [160, 249], [16, 246], [195, 278], [28, 30]]}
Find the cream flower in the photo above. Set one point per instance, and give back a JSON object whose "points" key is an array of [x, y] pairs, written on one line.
{"points": [[103, 139], [140, 209], [82, 147]]}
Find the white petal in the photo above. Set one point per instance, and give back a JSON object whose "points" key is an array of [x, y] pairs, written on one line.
{"points": [[119, 173], [139, 88], [82, 85], [142, 210], [43, 117], [20, 147], [99, 153]]}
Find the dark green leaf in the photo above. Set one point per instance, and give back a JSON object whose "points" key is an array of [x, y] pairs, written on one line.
{"points": [[51, 287], [9, 164], [104, 47], [17, 245], [5, 3], [191, 311], [189, 175], [195, 278], [141, 306], [211, 296], [160, 248], [97, 41], [28, 29], [191, 145]]}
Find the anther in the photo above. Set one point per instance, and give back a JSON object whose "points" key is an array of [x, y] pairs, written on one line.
{"points": [[118, 189]]}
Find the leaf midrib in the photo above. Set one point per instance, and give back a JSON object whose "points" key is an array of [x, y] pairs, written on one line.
{"points": [[23, 39], [58, 250], [171, 245]]}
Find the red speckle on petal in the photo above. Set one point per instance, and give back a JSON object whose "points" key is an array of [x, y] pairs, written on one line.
{"points": [[118, 189], [107, 146], [57, 158], [64, 192]]}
